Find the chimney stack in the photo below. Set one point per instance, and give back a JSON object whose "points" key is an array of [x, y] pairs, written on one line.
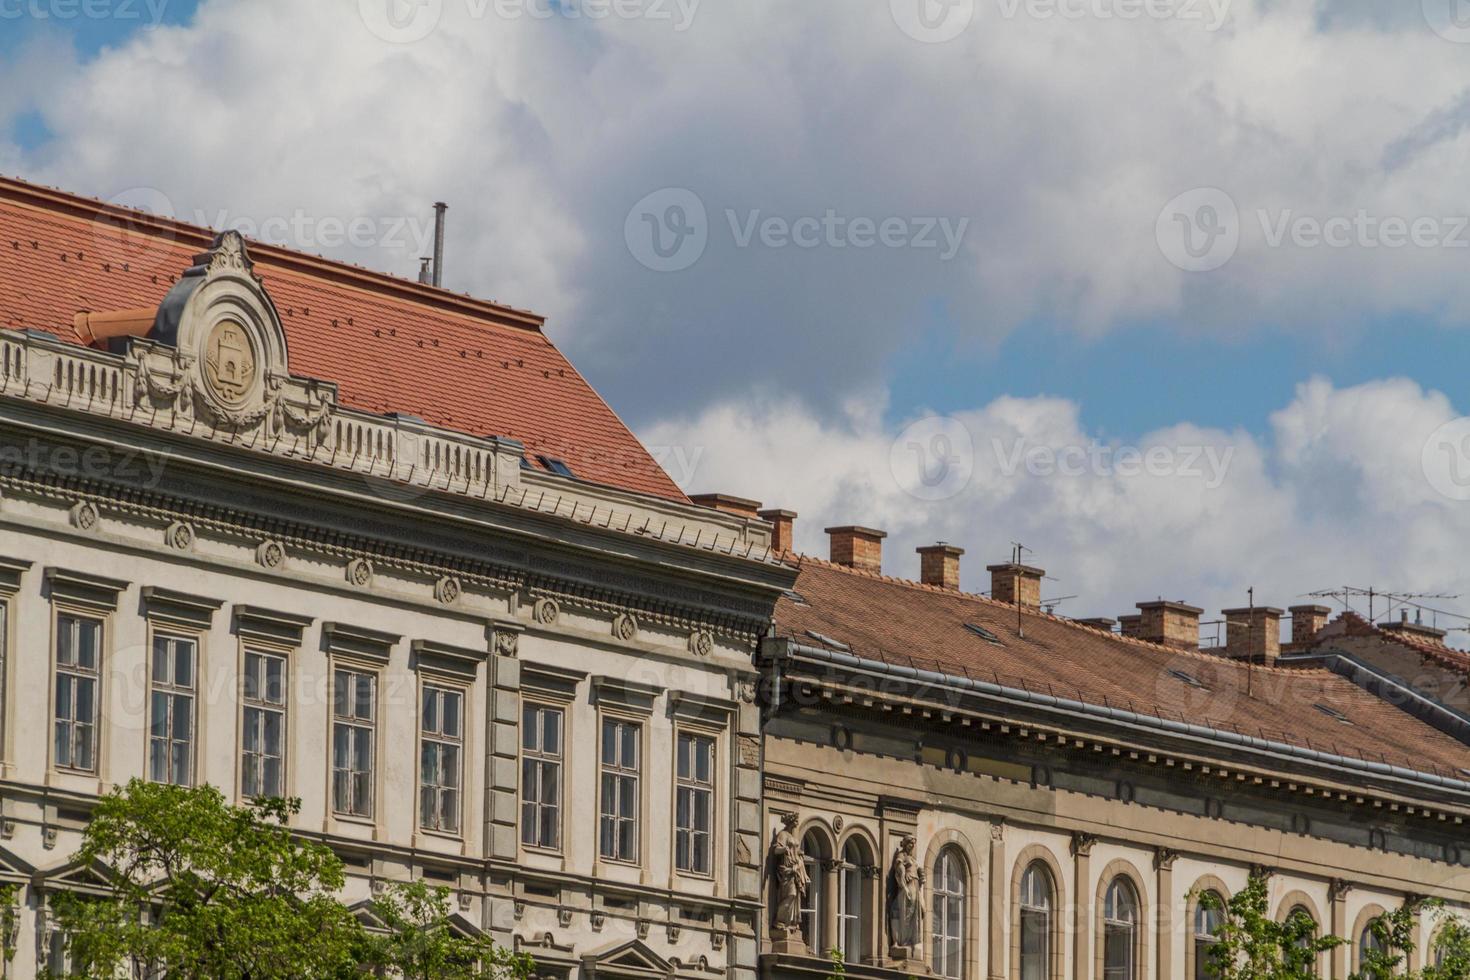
{"points": [[939, 565], [1307, 622], [857, 547], [1174, 624], [783, 526], [1130, 624], [1016, 583], [1253, 632], [1099, 623], [727, 504]]}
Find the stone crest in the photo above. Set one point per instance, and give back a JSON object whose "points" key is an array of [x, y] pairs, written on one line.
{"points": [[230, 364]]}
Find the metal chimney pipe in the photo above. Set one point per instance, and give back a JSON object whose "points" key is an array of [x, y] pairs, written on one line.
{"points": [[439, 208], [425, 275]]}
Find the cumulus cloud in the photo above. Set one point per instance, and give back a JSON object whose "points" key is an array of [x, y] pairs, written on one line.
{"points": [[1335, 493], [1058, 131]]}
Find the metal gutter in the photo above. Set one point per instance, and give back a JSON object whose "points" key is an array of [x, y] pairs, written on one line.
{"points": [[1134, 719], [1447, 719]]}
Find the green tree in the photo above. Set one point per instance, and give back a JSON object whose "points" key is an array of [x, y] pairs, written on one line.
{"points": [[1452, 945], [423, 944], [1393, 938], [201, 888], [1254, 946]]}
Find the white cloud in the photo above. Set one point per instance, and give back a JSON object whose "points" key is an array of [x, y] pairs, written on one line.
{"points": [[1334, 494], [1059, 138]]}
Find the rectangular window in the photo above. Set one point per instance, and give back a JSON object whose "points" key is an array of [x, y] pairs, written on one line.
{"points": [[354, 713], [78, 656], [171, 711], [441, 744], [541, 761], [620, 771], [695, 804], [263, 738]]}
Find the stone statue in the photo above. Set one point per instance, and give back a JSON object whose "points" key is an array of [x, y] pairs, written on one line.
{"points": [[788, 866], [905, 903]]}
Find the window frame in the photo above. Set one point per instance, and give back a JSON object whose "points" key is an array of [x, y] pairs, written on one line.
{"points": [[854, 913], [542, 759], [253, 648], [815, 850], [1195, 959], [172, 691], [1054, 957], [338, 665], [713, 736], [640, 724], [103, 620], [1129, 931], [460, 743], [940, 900]]}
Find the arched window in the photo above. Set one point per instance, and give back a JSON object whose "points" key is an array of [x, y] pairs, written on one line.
{"points": [[1302, 913], [948, 948], [1120, 931], [1036, 913], [813, 907], [1369, 941], [853, 905], [1208, 918]]}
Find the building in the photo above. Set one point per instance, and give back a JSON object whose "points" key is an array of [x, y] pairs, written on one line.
{"points": [[1068, 793], [290, 527]]}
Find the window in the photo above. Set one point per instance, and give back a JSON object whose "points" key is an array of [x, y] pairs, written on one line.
{"points": [[78, 653], [1120, 931], [852, 901], [541, 738], [620, 770], [1036, 909], [694, 809], [354, 711], [171, 711], [813, 906], [1370, 942], [441, 743], [1208, 917], [263, 739], [949, 915], [1300, 913]]}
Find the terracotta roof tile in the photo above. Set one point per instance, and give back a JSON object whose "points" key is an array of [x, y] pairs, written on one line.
{"points": [[391, 345], [900, 622]]}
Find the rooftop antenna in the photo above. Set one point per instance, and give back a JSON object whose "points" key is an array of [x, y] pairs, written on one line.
{"points": [[1250, 644], [439, 208]]}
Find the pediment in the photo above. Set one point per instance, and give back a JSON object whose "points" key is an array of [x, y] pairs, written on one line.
{"points": [[633, 958], [76, 876]]}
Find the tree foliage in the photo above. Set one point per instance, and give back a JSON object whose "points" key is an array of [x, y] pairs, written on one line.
{"points": [[422, 943], [197, 887]]}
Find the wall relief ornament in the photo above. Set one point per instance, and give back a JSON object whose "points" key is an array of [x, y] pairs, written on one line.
{"points": [[701, 643], [448, 590], [360, 572], [507, 643], [545, 611], [179, 536], [625, 627], [271, 554], [84, 516]]}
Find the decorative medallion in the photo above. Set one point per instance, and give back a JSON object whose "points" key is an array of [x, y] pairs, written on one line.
{"points": [[545, 611], [271, 554], [360, 572], [564, 917], [598, 920], [673, 933], [179, 535], [701, 643], [230, 365], [447, 590], [625, 627], [507, 642], [837, 823], [84, 516]]}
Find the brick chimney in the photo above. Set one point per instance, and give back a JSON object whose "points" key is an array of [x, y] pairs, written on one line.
{"points": [[1016, 583], [1307, 622], [783, 526], [1130, 624], [1254, 633], [1415, 630], [939, 565], [1099, 623], [1174, 624], [728, 504], [857, 547]]}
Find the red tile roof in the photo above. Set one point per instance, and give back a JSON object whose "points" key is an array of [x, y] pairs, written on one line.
{"points": [[391, 345], [1352, 624], [900, 622]]}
